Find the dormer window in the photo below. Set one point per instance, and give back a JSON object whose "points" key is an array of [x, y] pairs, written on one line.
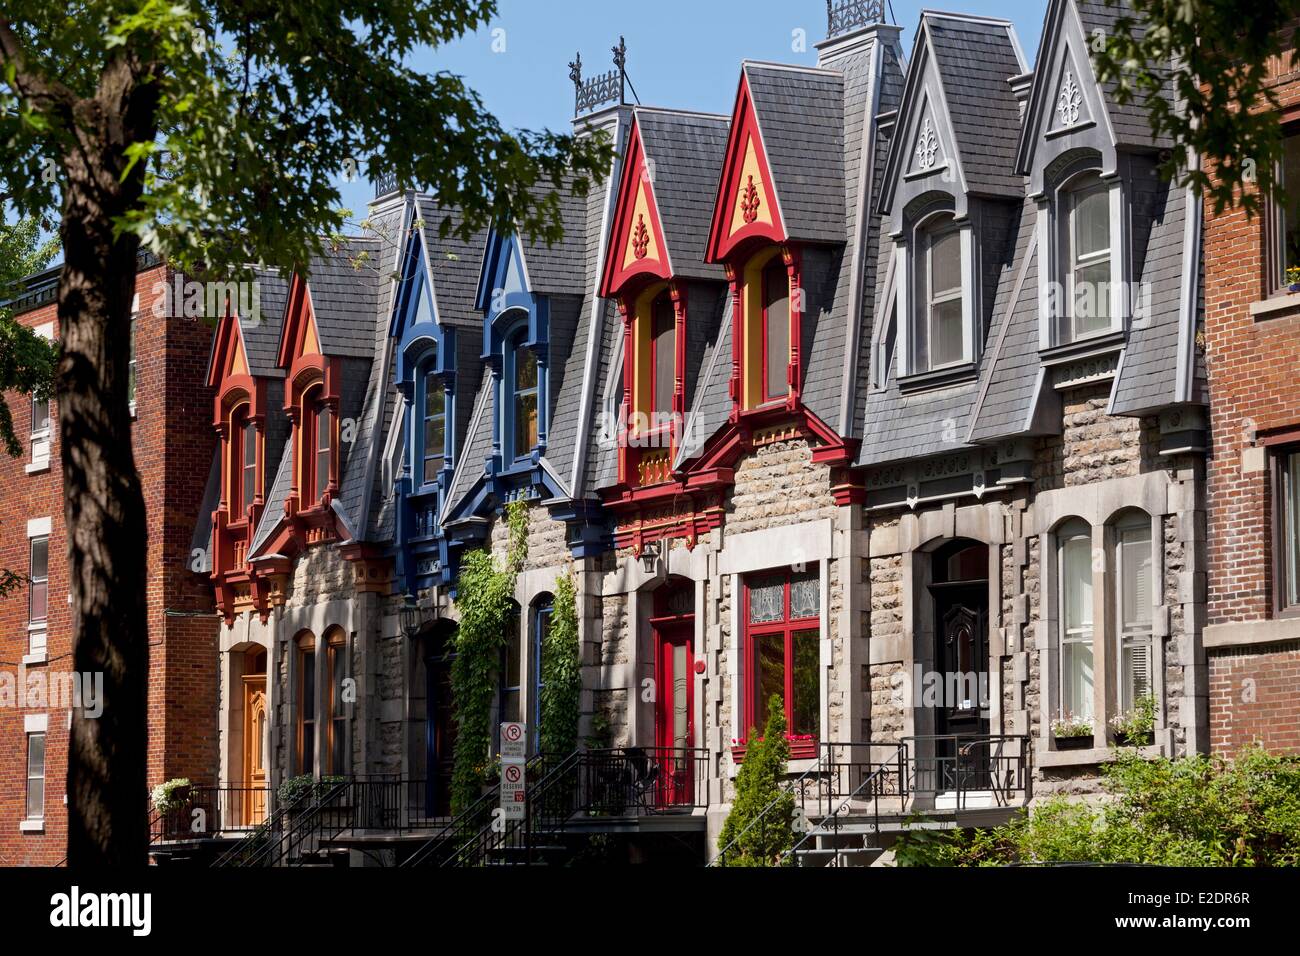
{"points": [[317, 445], [938, 338], [663, 358], [1087, 250], [243, 445], [322, 464], [776, 331], [433, 412], [522, 377]]}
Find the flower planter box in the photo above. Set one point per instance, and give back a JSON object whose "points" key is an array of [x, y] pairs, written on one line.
{"points": [[800, 749], [1082, 742]]}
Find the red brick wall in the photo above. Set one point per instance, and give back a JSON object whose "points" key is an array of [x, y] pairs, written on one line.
{"points": [[1254, 375], [173, 444], [1254, 693]]}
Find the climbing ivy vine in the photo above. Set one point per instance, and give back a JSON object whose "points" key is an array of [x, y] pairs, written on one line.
{"points": [[484, 596], [561, 672]]}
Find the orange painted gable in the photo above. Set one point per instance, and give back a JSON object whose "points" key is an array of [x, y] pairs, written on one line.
{"points": [[637, 247], [746, 206]]}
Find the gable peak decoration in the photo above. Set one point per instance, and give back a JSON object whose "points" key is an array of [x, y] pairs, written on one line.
{"points": [[746, 206], [749, 200], [927, 145], [1069, 100], [640, 237], [845, 16]]}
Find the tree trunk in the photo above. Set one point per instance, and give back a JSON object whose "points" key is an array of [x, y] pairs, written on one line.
{"points": [[103, 503]]}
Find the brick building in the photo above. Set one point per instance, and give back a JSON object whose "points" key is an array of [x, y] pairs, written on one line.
{"points": [[1252, 343], [173, 454]]}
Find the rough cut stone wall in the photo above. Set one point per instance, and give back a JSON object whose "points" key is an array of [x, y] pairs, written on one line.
{"points": [[1094, 446], [1175, 564], [776, 485], [319, 574], [546, 538]]}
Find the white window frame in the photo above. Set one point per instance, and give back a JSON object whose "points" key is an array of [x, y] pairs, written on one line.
{"points": [[928, 308], [1085, 186], [41, 437], [916, 256], [1073, 531], [1129, 637], [38, 631], [34, 725], [1277, 281]]}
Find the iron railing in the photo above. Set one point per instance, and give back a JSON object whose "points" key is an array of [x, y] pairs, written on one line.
{"points": [[960, 765], [887, 778], [202, 812], [632, 781], [844, 16]]}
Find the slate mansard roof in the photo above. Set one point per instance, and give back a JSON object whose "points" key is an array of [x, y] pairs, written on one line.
{"points": [[976, 59]]}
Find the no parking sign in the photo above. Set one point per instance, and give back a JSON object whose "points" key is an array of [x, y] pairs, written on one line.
{"points": [[514, 744]]}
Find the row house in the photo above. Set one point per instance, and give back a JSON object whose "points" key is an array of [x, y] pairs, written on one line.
{"points": [[172, 447], [883, 394], [1252, 326]]}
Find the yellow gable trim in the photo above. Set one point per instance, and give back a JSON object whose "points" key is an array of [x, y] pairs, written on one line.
{"points": [[642, 230], [750, 173], [310, 340]]}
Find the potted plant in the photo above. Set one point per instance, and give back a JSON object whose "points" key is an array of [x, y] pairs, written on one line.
{"points": [[1072, 733], [1137, 727], [1293, 278], [168, 797]]}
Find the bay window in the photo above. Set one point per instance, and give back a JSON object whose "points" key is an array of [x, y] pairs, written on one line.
{"points": [[1087, 252], [937, 337], [782, 625], [1133, 601], [1076, 621]]}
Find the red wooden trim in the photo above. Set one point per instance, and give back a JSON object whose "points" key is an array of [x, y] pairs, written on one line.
{"points": [[786, 628], [744, 125], [1286, 435], [615, 278]]}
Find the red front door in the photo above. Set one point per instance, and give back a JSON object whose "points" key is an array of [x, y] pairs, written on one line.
{"points": [[675, 712]]}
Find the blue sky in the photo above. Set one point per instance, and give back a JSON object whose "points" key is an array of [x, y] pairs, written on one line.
{"points": [[681, 53]]}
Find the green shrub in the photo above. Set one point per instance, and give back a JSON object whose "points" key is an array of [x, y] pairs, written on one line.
{"points": [[1194, 811], [758, 788], [561, 673]]}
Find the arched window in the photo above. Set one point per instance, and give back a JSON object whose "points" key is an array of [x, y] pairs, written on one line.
{"points": [[1074, 551], [542, 609], [336, 673], [1087, 249], [323, 434], [510, 672], [306, 647], [522, 380], [938, 337], [433, 414], [663, 358], [776, 330], [1134, 605]]}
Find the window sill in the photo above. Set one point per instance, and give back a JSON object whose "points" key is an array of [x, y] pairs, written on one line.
{"points": [[31, 826], [36, 657], [1094, 345], [938, 378], [1089, 757], [1251, 633], [37, 467], [1275, 307]]}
